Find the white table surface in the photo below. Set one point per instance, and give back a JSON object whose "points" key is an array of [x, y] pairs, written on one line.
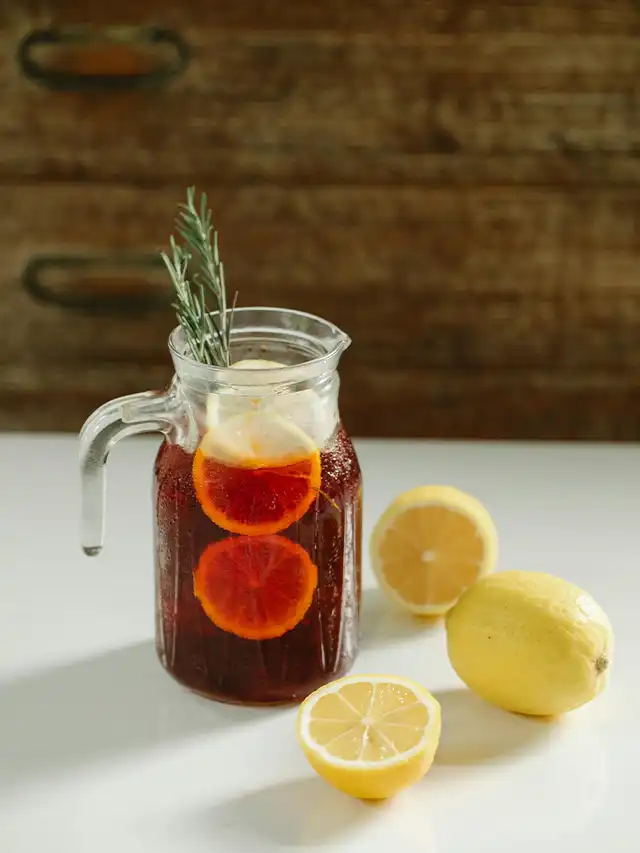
{"points": [[101, 751]]}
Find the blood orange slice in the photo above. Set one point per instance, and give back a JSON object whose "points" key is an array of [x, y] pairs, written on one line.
{"points": [[257, 587], [256, 475]]}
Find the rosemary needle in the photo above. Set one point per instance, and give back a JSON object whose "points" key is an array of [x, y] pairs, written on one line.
{"points": [[197, 273]]}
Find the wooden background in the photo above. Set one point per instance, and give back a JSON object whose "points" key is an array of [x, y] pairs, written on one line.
{"points": [[455, 183]]}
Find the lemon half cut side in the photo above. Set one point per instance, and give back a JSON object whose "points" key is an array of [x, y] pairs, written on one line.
{"points": [[370, 736], [430, 545]]}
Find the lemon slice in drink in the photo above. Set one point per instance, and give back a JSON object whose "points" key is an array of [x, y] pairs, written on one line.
{"points": [[255, 439], [305, 409], [430, 545], [370, 736]]}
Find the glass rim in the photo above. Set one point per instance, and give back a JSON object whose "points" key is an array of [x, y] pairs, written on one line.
{"points": [[312, 367]]}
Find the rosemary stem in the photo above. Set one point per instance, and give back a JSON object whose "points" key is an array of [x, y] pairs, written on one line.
{"points": [[197, 272]]}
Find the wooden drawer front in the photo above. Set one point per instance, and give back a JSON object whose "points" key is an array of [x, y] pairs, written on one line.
{"points": [[456, 184], [84, 309], [490, 311], [547, 17], [451, 92]]}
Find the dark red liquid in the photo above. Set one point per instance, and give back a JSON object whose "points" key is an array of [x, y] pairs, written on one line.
{"points": [[322, 646]]}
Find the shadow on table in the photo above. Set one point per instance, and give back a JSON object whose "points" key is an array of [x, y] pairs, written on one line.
{"points": [[384, 622], [95, 709], [474, 731], [296, 813]]}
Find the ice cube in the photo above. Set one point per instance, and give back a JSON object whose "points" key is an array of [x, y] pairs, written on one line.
{"points": [[303, 409]]}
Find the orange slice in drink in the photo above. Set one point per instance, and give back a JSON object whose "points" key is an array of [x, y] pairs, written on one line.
{"points": [[256, 475], [257, 587]]}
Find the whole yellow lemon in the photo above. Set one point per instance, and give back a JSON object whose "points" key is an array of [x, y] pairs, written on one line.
{"points": [[530, 642]]}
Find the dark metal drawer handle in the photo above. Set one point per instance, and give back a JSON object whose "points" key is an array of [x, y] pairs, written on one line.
{"points": [[38, 269], [135, 39]]}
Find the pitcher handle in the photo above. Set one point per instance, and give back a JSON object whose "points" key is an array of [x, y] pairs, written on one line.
{"points": [[148, 411]]}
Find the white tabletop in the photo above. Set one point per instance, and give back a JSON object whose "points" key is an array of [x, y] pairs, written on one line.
{"points": [[101, 751]]}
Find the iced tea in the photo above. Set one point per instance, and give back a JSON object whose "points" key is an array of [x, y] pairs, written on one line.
{"points": [[250, 611]]}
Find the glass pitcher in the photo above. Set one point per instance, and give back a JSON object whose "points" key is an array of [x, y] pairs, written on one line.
{"points": [[258, 506]]}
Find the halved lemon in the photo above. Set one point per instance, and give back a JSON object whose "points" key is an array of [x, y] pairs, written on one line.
{"points": [[430, 545], [370, 736]]}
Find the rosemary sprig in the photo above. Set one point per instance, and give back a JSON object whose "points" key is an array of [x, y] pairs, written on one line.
{"points": [[197, 273]]}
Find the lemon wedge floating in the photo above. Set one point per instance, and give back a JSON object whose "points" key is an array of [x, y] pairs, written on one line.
{"points": [[370, 736], [530, 642], [431, 544]]}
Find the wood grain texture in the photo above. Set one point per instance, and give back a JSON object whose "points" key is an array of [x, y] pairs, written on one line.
{"points": [[529, 313], [388, 402], [456, 183], [357, 17], [329, 107]]}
